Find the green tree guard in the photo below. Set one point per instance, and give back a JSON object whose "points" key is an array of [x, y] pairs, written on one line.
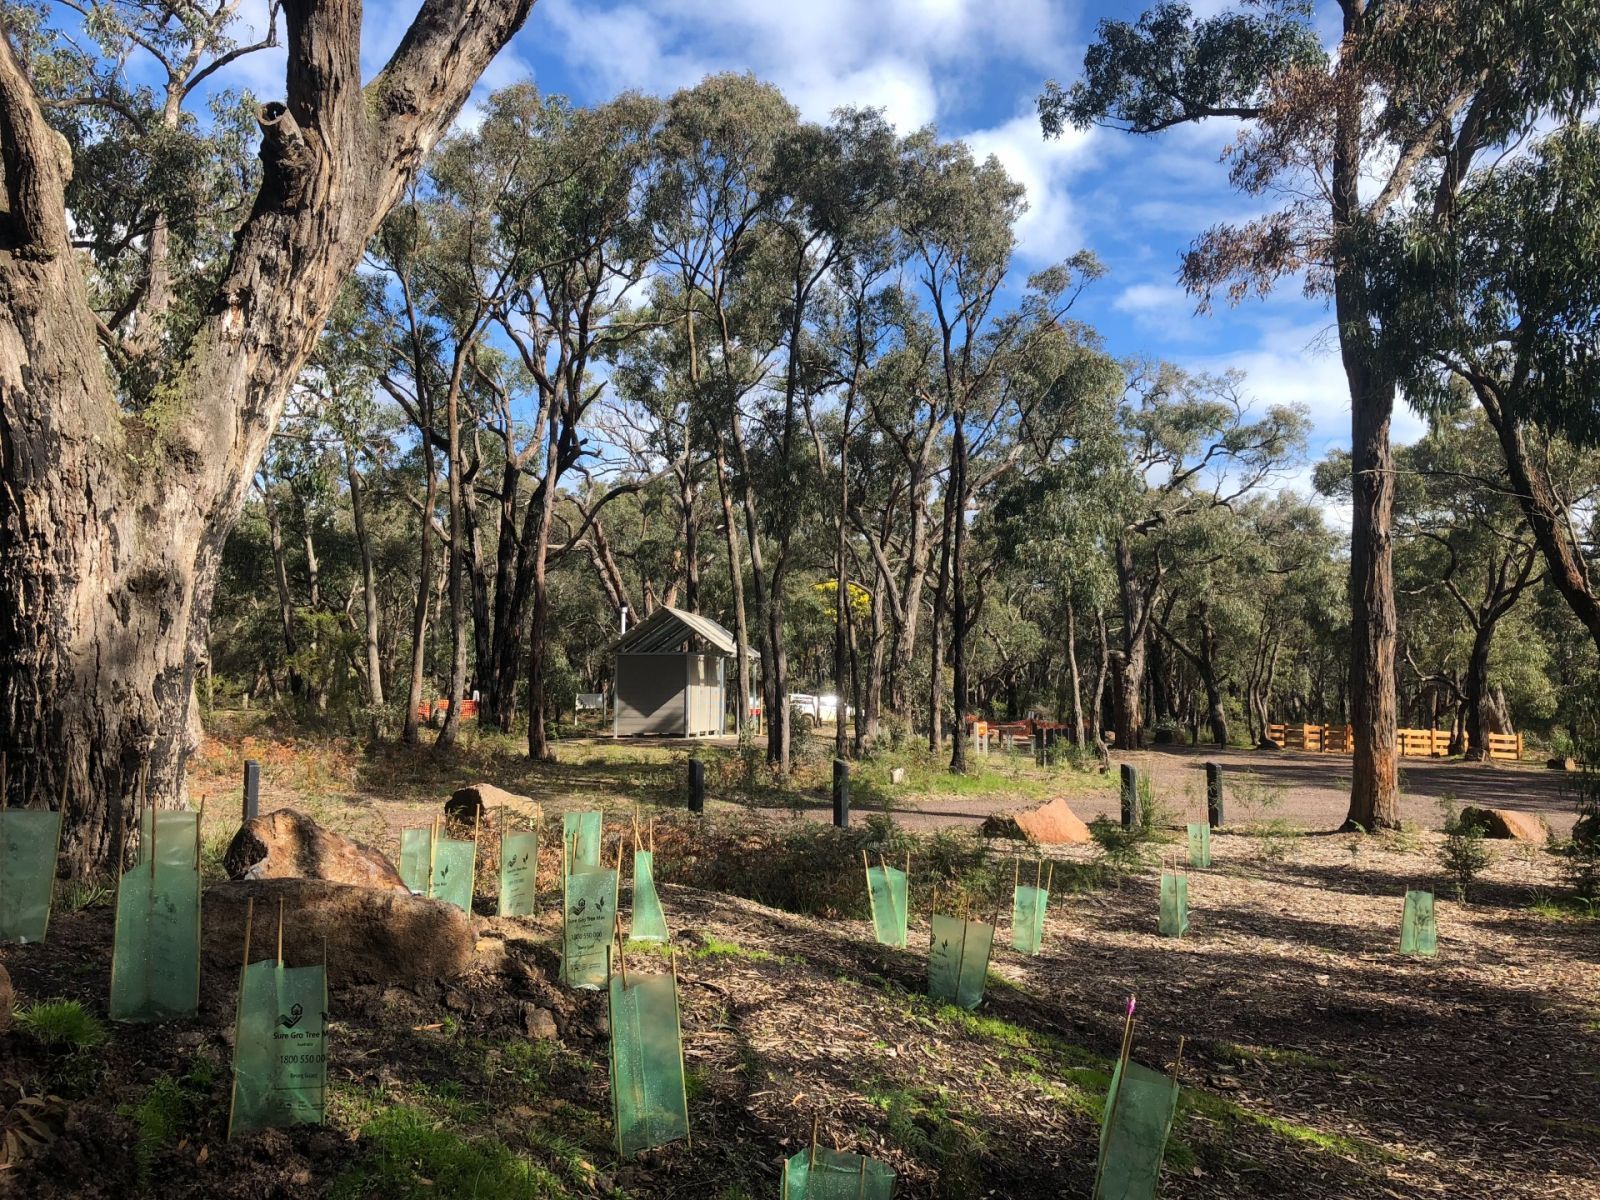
{"points": [[416, 851], [519, 871], [649, 1103], [1174, 904], [588, 920], [280, 1060], [155, 956], [455, 866], [819, 1173], [30, 839], [958, 961], [1140, 1105], [1419, 932], [648, 923], [1199, 844], [580, 840], [887, 894]]}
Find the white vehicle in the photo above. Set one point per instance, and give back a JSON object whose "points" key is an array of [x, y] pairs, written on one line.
{"points": [[810, 711]]}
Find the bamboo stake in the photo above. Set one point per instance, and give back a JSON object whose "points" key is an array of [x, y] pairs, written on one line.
{"points": [[433, 853], [872, 904], [233, 1092], [249, 922], [813, 1163], [199, 820], [1038, 870], [152, 849], [280, 931], [861, 1186], [1116, 1101]]}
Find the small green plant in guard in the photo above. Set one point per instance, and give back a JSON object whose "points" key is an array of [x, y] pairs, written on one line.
{"points": [[647, 922], [1028, 906], [280, 1060], [155, 957], [1199, 844], [821, 1173], [958, 960], [1419, 932], [29, 842], [1140, 1105], [1174, 903], [888, 890], [649, 1101], [588, 924]]}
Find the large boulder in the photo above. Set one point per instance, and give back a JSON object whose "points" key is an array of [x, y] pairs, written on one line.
{"points": [[473, 803], [1053, 823], [289, 845], [1505, 823], [372, 935]]}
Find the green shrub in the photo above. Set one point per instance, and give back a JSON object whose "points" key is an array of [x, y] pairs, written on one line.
{"points": [[1462, 854]]}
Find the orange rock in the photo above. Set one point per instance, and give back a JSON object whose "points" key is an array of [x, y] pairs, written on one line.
{"points": [[1053, 823], [1506, 823]]}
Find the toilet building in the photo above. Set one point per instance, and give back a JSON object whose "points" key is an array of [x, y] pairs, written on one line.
{"points": [[671, 676]]}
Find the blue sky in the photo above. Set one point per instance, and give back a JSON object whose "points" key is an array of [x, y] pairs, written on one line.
{"points": [[974, 68]]}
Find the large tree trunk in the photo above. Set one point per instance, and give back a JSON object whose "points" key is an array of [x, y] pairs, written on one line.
{"points": [[741, 623], [112, 524], [538, 705], [958, 617], [1074, 677], [1128, 668], [1374, 790], [457, 565]]}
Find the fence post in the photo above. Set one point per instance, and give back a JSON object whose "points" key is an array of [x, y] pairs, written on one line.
{"points": [[252, 788], [1130, 795], [1214, 794], [697, 786], [1038, 747], [841, 793]]}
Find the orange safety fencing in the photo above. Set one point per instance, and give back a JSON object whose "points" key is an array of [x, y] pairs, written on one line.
{"points": [[1411, 743]]}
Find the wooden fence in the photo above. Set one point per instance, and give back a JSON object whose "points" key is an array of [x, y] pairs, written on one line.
{"points": [[1412, 743]]}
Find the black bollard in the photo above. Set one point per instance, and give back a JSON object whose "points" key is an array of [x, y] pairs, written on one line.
{"points": [[252, 788], [1130, 796], [697, 786], [841, 793], [1038, 747], [1214, 794]]}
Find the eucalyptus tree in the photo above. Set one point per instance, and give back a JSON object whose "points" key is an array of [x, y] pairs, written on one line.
{"points": [[1469, 552], [1504, 301], [706, 201], [122, 487], [1191, 446], [551, 266], [1413, 99]]}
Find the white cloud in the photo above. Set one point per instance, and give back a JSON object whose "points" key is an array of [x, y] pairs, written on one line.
{"points": [[903, 55], [1049, 231]]}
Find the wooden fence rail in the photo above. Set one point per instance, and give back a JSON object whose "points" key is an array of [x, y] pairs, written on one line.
{"points": [[1412, 743]]}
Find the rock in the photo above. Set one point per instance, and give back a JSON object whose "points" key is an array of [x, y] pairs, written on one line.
{"points": [[8, 1000], [1166, 737], [1505, 823], [897, 774], [476, 801], [373, 935], [289, 845], [1053, 823], [1562, 764], [540, 1023]]}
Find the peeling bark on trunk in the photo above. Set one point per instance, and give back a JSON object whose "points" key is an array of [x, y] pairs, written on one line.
{"points": [[112, 523]]}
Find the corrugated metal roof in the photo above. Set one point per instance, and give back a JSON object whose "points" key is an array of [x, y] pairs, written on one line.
{"points": [[664, 630]]}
